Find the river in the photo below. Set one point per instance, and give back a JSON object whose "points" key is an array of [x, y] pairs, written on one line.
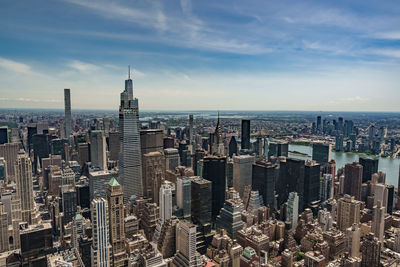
{"points": [[387, 165]]}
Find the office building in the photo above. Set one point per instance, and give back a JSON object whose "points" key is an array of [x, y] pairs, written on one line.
{"points": [[186, 255], [353, 235], [245, 137], [191, 128], [98, 154], [325, 187], [68, 117], [83, 154], [214, 170], [278, 149], [292, 179], [151, 140], [171, 158], [230, 216], [348, 212], [242, 172], [98, 181], [3, 229], [165, 200], [353, 173], [101, 251], [116, 218], [9, 152], [370, 251], [339, 143], [293, 209], [321, 153], [370, 166], [201, 200], [264, 175], [311, 183], [68, 195], [24, 185], [233, 147], [130, 162], [183, 195], [3, 135], [153, 174], [113, 145]]}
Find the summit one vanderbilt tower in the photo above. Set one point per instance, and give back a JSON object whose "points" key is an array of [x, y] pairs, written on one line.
{"points": [[130, 161]]}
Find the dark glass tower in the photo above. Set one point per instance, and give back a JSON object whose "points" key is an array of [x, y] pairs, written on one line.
{"points": [[370, 166], [264, 176], [214, 170], [245, 134], [311, 183]]}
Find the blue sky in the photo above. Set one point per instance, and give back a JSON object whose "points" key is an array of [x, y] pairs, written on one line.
{"points": [[244, 55]]}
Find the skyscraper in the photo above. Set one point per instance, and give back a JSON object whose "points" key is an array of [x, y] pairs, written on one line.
{"points": [[183, 195], [214, 170], [321, 153], [113, 145], [370, 166], [116, 217], [98, 150], [165, 202], [311, 183], [3, 135], [293, 209], [130, 162], [201, 200], [68, 119], [378, 221], [153, 174], [245, 143], [353, 179], [191, 128], [24, 184], [242, 172], [101, 252], [264, 176]]}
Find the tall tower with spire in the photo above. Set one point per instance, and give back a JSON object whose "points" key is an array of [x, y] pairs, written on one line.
{"points": [[218, 144], [130, 161]]}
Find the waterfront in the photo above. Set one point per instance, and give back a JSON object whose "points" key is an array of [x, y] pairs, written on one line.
{"points": [[387, 165]]}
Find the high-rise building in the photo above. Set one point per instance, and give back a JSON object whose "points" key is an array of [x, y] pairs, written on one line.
{"points": [[3, 135], [378, 221], [151, 140], [353, 235], [113, 145], [242, 172], [130, 162], [116, 219], [353, 179], [230, 216], [371, 251], [3, 229], [381, 194], [68, 119], [191, 128], [348, 212], [214, 170], [98, 154], [245, 137], [293, 209], [233, 147], [292, 179], [319, 125], [9, 152], [101, 252], [264, 176], [83, 154], [183, 195], [278, 149], [153, 174], [24, 184], [321, 153], [370, 166], [171, 158], [186, 245], [325, 187], [68, 195], [201, 200], [165, 199], [311, 183], [339, 143], [98, 181]]}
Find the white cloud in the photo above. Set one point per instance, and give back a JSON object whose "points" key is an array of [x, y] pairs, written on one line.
{"points": [[14, 66], [83, 66], [395, 35], [393, 53]]}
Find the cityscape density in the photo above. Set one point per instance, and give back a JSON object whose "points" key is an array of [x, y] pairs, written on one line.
{"points": [[201, 189]]}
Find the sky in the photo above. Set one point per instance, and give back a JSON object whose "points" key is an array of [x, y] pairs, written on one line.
{"points": [[202, 55]]}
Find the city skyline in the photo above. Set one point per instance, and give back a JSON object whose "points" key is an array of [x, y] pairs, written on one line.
{"points": [[202, 56]]}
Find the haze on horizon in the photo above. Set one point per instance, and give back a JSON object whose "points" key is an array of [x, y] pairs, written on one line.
{"points": [[206, 55]]}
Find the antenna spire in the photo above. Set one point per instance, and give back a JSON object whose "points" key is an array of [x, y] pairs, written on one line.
{"points": [[129, 71]]}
